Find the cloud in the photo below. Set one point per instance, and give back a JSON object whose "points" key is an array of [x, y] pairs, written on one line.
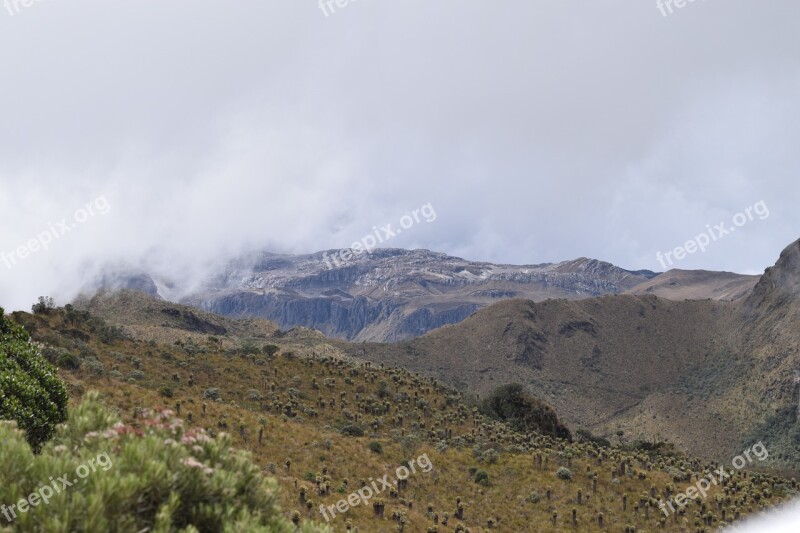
{"points": [[539, 131]]}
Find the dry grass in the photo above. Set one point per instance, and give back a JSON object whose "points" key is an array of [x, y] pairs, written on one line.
{"points": [[312, 440]]}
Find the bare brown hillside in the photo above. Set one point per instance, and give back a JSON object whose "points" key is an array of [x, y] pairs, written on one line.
{"points": [[706, 375], [697, 285]]}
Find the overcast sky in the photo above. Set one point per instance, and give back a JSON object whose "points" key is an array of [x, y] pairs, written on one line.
{"points": [[538, 131]]}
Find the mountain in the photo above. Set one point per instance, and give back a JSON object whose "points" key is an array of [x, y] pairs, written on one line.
{"points": [[385, 296], [392, 295], [697, 285], [708, 375]]}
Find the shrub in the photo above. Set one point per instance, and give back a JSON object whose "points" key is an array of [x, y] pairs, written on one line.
{"points": [[166, 392], [43, 306], [211, 394], [564, 473], [95, 367], [481, 477], [584, 435], [353, 431], [270, 350], [68, 361], [376, 447], [188, 482], [490, 456], [53, 353], [109, 334], [136, 375], [383, 389], [30, 391], [510, 403]]}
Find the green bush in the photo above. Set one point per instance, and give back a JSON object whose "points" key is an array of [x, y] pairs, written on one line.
{"points": [[584, 435], [159, 477], [270, 350], [43, 306], [31, 392], [564, 473], [211, 394], [68, 361], [353, 431], [513, 405], [376, 447], [52, 354], [482, 477]]}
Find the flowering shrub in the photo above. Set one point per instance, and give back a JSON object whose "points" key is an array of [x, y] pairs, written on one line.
{"points": [[165, 478]]}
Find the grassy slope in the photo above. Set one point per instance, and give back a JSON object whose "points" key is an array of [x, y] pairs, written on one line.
{"points": [[311, 441]]}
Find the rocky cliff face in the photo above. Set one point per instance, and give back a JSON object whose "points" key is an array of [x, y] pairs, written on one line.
{"points": [[391, 294], [780, 284]]}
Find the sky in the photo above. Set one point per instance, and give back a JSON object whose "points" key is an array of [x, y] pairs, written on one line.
{"points": [[175, 135]]}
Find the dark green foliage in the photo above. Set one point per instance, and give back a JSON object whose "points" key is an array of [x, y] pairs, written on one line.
{"points": [[109, 334], [248, 348], [353, 431], [782, 430], [30, 391], [652, 449], [211, 394], [43, 306], [270, 349], [383, 389], [584, 435], [376, 447], [564, 473], [481, 477], [53, 354], [68, 361], [511, 404]]}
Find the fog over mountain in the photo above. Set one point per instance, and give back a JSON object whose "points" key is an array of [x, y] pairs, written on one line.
{"points": [[539, 132]]}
